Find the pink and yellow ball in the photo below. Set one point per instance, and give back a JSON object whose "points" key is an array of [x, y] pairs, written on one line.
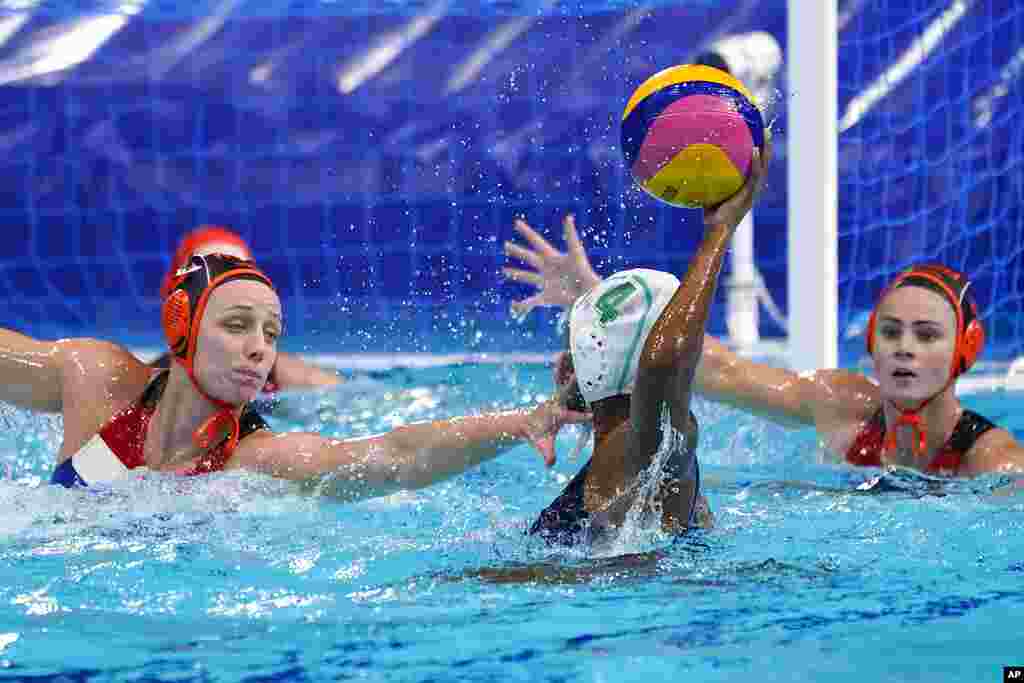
{"points": [[689, 133]]}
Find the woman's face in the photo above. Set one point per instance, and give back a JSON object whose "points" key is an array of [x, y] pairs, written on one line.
{"points": [[915, 338], [237, 343]]}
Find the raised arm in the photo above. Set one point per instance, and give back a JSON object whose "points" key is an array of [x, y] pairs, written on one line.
{"points": [[409, 457], [722, 375], [668, 362]]}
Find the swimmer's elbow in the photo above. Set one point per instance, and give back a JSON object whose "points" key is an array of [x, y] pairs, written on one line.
{"points": [[354, 469], [359, 479]]}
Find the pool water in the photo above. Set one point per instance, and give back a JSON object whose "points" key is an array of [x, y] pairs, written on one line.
{"points": [[239, 577]]}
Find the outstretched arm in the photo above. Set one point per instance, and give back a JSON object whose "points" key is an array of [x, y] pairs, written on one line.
{"points": [[779, 394], [409, 457], [667, 365], [722, 375], [560, 278], [85, 376]]}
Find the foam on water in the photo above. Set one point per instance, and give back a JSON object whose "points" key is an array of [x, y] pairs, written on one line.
{"points": [[237, 574]]}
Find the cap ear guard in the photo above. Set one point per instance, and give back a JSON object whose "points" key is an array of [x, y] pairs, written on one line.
{"points": [[175, 317], [186, 285], [869, 340], [971, 345]]}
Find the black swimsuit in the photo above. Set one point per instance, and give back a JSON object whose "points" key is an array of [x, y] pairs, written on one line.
{"points": [[566, 521], [868, 446]]}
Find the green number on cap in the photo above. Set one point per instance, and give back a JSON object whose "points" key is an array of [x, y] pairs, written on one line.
{"points": [[609, 303]]}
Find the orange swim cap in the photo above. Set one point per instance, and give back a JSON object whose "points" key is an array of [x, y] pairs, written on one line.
{"points": [[195, 240]]}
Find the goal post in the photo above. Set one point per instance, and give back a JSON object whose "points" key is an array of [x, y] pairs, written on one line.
{"points": [[812, 185]]}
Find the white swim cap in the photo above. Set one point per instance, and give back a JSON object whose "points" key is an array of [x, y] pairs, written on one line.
{"points": [[609, 325]]}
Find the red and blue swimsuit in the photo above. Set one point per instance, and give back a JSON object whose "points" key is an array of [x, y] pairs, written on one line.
{"points": [[118, 447]]}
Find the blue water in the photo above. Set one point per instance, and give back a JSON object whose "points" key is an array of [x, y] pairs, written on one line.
{"points": [[239, 577]]}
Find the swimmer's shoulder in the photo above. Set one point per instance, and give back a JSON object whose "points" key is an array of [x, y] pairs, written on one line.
{"points": [[96, 364], [843, 396], [98, 380], [846, 403], [996, 450]]}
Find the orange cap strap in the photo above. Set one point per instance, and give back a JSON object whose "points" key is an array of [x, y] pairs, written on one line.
{"points": [[213, 431], [914, 420]]}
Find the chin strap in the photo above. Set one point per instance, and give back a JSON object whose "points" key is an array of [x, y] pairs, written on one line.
{"points": [[222, 426], [212, 431], [912, 418], [909, 418]]}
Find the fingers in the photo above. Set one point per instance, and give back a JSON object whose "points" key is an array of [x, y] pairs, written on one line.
{"points": [[542, 246], [756, 178], [764, 157], [758, 172], [572, 237], [525, 276], [563, 386], [525, 255], [524, 306], [732, 210], [546, 446]]}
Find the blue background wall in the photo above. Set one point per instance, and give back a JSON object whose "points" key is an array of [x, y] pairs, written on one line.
{"points": [[380, 213]]}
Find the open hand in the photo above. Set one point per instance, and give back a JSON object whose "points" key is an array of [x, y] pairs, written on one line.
{"points": [[560, 277], [732, 210], [544, 423]]}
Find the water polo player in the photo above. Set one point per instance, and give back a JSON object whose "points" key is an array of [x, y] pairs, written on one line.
{"points": [[634, 344], [924, 334], [222, 319]]}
